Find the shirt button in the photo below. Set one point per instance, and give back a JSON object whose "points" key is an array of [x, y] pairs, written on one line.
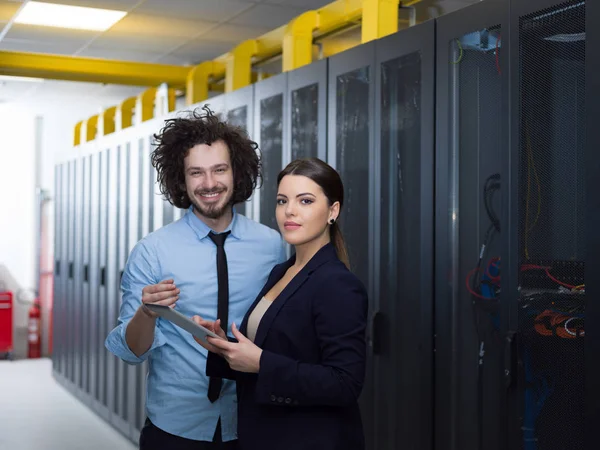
{"points": [[273, 398], [280, 399], [288, 401]]}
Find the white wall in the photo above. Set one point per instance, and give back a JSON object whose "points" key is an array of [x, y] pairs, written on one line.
{"points": [[27, 156]]}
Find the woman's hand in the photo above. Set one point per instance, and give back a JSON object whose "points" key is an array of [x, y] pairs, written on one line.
{"points": [[242, 356], [215, 327]]}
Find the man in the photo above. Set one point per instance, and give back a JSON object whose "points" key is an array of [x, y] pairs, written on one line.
{"points": [[212, 262]]}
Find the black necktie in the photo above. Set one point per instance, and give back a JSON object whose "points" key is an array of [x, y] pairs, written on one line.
{"points": [[214, 385]]}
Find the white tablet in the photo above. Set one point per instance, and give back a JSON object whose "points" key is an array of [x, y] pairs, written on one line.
{"points": [[181, 321]]}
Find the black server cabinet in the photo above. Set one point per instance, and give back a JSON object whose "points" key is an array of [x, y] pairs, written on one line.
{"points": [[470, 153], [57, 273], [132, 234], [351, 153], [240, 113], [592, 164], [117, 211], [306, 113], [403, 275], [102, 354], [78, 298], [95, 275], [70, 373], [145, 210], [62, 267], [547, 254], [270, 102], [85, 275]]}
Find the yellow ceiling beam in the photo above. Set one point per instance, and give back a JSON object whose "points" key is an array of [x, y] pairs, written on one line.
{"points": [[379, 19], [197, 83], [126, 109], [146, 104], [298, 41], [77, 135], [94, 70], [332, 17], [91, 128], [108, 120]]}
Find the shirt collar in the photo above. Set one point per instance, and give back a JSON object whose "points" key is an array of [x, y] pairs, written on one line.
{"points": [[202, 230]]}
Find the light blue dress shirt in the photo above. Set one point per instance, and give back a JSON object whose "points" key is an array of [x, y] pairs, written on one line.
{"points": [[177, 386]]}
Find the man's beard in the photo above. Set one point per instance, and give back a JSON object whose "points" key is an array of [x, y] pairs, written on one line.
{"points": [[215, 211]]}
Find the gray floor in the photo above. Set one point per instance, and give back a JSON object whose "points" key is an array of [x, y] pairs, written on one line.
{"points": [[36, 413]]}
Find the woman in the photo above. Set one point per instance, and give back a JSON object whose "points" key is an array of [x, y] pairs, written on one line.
{"points": [[299, 354]]}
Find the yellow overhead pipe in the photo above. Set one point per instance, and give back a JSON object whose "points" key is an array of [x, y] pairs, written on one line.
{"points": [[75, 68], [77, 135], [379, 19], [108, 120], [332, 17], [298, 40], [127, 107], [146, 100], [91, 128], [197, 84], [239, 65]]}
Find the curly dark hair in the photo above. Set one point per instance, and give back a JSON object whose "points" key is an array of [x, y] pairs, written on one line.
{"points": [[180, 134]]}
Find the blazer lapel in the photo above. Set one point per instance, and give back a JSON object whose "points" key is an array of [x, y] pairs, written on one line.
{"points": [[274, 278], [324, 255]]}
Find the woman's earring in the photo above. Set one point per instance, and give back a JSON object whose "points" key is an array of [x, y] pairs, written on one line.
{"points": [[331, 221]]}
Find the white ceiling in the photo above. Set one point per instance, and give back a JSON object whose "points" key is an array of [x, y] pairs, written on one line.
{"points": [[180, 32]]}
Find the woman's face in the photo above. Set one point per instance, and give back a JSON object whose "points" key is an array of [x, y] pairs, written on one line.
{"points": [[303, 211]]}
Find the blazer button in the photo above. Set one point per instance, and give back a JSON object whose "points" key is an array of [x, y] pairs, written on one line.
{"points": [[280, 399], [288, 401], [273, 398]]}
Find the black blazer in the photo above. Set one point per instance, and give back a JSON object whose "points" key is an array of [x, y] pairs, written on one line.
{"points": [[313, 362]]}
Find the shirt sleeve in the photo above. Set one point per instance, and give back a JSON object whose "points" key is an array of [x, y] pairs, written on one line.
{"points": [[139, 272]]}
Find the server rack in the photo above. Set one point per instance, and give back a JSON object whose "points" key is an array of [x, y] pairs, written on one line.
{"points": [[86, 316], [117, 383], [94, 331], [403, 131], [351, 151], [592, 268], [70, 374], [102, 354], [57, 258], [306, 113], [546, 302], [270, 102], [240, 113], [77, 284], [470, 150], [146, 188], [61, 269]]}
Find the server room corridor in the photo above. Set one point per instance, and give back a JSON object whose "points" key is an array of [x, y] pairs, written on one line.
{"points": [[37, 413]]}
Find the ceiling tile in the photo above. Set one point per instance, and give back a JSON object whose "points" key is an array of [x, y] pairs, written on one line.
{"points": [[271, 16], [120, 5], [306, 4], [198, 50], [233, 34], [18, 45], [120, 54], [7, 10], [212, 10], [49, 34], [144, 24], [152, 44]]}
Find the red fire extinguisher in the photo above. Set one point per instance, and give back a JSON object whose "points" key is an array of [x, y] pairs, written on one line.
{"points": [[34, 331]]}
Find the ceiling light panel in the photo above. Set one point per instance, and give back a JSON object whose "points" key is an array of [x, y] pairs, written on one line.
{"points": [[67, 16]]}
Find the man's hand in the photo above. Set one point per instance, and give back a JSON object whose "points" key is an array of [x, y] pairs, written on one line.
{"points": [[242, 356], [165, 293]]}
